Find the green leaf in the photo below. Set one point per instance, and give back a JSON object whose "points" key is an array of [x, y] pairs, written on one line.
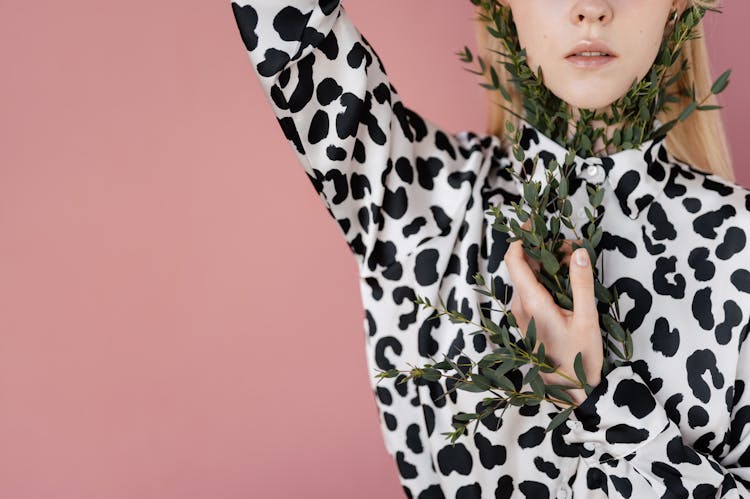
{"points": [[564, 300], [601, 292], [558, 419], [431, 374], [499, 380], [550, 263], [628, 344], [540, 354], [478, 278], [567, 208], [530, 338], [481, 381], [578, 367], [721, 82], [465, 416], [537, 385], [530, 192], [555, 225], [687, 111], [613, 327], [570, 157], [597, 198], [442, 365], [559, 392], [531, 373], [596, 237], [469, 387]]}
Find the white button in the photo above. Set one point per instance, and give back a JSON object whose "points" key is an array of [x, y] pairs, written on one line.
{"points": [[592, 170]]}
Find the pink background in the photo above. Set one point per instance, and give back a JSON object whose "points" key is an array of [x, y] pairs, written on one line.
{"points": [[179, 317]]}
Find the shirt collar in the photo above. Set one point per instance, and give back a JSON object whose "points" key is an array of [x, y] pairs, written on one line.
{"points": [[636, 176]]}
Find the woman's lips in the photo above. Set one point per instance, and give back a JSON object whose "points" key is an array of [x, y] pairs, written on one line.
{"points": [[590, 61]]}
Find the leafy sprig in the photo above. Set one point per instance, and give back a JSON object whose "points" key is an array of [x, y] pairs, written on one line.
{"points": [[518, 360], [628, 121]]}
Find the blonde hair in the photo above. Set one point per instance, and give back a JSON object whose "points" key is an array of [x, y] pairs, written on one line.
{"points": [[699, 141]]}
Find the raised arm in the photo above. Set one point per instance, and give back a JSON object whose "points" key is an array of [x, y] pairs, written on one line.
{"points": [[391, 179]]}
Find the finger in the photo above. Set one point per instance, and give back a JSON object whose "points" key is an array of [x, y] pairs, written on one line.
{"points": [[524, 280], [582, 283], [516, 307]]}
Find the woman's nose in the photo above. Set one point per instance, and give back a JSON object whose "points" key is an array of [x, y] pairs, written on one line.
{"points": [[591, 11]]}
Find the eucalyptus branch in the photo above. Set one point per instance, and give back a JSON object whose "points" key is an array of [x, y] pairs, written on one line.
{"points": [[518, 359]]}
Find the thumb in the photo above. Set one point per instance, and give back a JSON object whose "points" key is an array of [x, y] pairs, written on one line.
{"points": [[582, 284]]}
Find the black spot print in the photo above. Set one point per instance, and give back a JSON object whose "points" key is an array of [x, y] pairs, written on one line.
{"points": [[701, 308], [454, 458], [412, 439], [328, 89], [473, 491], [693, 205], [490, 455], [546, 467], [636, 397], [319, 127], [697, 416], [407, 470], [671, 477], [534, 490], [335, 153], [624, 433], [390, 421], [427, 170], [704, 268], [247, 20], [734, 242], [698, 363], [330, 46], [386, 342], [740, 278], [414, 226], [303, 92], [531, 438], [442, 220], [665, 266], [663, 340], [395, 202], [596, 480], [289, 23], [405, 170], [622, 485], [732, 318], [705, 225], [425, 266], [432, 492]]}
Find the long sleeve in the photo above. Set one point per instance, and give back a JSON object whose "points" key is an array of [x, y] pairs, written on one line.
{"points": [[634, 439], [391, 179]]}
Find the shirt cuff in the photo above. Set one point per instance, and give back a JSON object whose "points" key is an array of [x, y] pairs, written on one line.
{"points": [[620, 415]]}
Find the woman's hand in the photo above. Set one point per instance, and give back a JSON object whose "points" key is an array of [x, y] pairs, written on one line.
{"points": [[563, 332]]}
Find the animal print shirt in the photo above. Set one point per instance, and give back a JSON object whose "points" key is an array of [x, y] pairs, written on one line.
{"points": [[412, 202]]}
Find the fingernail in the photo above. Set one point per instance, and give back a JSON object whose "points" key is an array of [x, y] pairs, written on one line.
{"points": [[582, 257]]}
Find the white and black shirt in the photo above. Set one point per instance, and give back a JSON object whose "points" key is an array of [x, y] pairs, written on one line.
{"points": [[413, 201]]}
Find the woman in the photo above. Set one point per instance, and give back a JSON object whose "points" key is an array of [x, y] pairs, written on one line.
{"points": [[412, 203]]}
